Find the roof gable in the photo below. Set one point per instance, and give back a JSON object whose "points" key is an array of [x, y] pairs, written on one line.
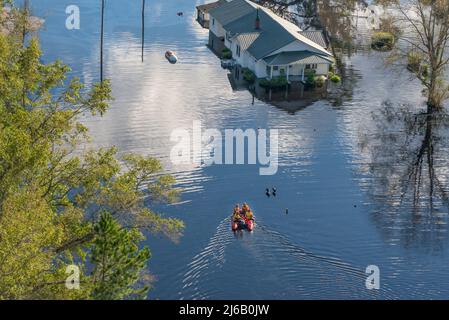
{"points": [[232, 11], [211, 5], [316, 36]]}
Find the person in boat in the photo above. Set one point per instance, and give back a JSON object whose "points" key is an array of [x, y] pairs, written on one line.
{"points": [[249, 215], [236, 216], [245, 208]]}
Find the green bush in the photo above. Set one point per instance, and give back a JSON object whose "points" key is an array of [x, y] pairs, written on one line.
{"points": [[274, 83], [414, 61], [382, 41], [320, 81], [425, 70], [416, 65], [226, 54], [335, 78], [310, 72], [248, 75]]}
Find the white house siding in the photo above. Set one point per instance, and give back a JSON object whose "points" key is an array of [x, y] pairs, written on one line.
{"points": [[295, 70], [216, 34], [245, 56], [323, 69], [261, 69], [216, 27], [251, 62], [228, 44]]}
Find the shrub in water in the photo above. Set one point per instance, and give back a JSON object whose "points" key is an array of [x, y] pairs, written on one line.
{"points": [[320, 81], [248, 75], [274, 83], [335, 78], [382, 41], [226, 54]]}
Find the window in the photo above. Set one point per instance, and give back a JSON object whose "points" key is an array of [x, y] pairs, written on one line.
{"points": [[311, 66], [275, 68], [238, 51], [268, 71]]}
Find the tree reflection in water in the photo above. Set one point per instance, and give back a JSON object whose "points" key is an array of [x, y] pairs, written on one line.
{"points": [[408, 165]]}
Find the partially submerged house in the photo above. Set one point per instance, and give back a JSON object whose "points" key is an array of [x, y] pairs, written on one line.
{"points": [[203, 12], [267, 44]]}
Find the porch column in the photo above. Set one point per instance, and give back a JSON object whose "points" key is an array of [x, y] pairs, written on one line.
{"points": [[303, 72], [271, 72], [288, 72]]}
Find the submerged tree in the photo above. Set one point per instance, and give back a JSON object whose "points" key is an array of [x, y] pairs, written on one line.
{"points": [[425, 45], [406, 158], [58, 203]]}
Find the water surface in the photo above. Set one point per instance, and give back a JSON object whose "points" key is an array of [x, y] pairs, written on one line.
{"points": [[342, 210]]}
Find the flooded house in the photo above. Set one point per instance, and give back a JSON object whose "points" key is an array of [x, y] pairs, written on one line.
{"points": [[266, 44], [203, 12]]}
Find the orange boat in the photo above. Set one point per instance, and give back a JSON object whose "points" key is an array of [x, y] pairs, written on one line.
{"points": [[243, 223]]}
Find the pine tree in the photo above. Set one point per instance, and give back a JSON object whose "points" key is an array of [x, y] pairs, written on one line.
{"points": [[118, 261]]}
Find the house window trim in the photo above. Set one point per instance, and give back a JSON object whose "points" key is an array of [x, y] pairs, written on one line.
{"points": [[311, 66]]}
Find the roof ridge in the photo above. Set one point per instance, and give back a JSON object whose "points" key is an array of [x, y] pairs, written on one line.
{"points": [[283, 24]]}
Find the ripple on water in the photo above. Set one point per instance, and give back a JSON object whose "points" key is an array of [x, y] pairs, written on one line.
{"points": [[292, 272]]}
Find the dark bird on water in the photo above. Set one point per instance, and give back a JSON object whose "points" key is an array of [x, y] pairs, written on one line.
{"points": [[273, 190], [180, 14], [267, 192], [286, 211]]}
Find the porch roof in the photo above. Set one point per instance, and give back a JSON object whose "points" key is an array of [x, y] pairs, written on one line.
{"points": [[297, 57]]}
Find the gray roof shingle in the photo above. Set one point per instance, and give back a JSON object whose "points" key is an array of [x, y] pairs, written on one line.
{"points": [[232, 10], [247, 39], [212, 5], [302, 57], [316, 36]]}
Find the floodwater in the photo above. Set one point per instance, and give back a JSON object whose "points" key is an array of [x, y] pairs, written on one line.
{"points": [[344, 165]]}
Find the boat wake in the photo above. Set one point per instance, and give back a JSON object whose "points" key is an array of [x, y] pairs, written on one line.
{"points": [[212, 256], [280, 269]]}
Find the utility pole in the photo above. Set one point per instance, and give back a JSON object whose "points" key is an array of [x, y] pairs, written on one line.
{"points": [[102, 40], [143, 28]]}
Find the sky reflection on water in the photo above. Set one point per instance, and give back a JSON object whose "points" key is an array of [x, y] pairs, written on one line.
{"points": [[338, 221]]}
